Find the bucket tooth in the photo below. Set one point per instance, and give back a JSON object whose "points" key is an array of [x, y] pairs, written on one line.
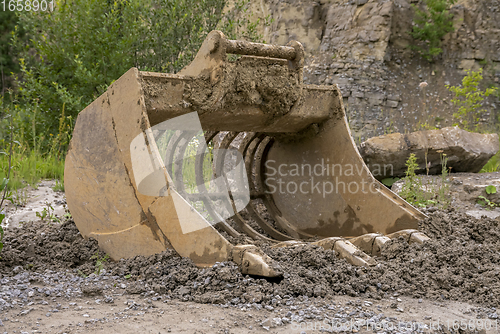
{"points": [[289, 243], [252, 261], [347, 250], [412, 236], [370, 243]]}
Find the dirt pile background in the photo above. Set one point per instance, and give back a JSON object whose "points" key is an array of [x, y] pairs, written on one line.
{"points": [[461, 262]]}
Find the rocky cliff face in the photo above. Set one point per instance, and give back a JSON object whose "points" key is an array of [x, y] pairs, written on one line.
{"points": [[362, 45]]}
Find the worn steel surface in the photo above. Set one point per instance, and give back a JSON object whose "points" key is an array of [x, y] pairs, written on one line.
{"points": [[133, 200]]}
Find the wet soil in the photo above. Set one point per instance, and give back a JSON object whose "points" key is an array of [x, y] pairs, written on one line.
{"points": [[243, 84], [49, 280], [461, 262]]}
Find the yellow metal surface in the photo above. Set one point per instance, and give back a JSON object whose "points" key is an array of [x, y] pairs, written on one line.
{"points": [[283, 127]]}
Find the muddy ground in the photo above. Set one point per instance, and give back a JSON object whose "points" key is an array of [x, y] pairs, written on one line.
{"points": [[49, 282]]}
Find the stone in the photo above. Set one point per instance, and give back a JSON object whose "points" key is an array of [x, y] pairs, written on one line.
{"points": [[391, 104], [466, 151], [467, 64], [479, 55], [358, 94], [480, 213]]}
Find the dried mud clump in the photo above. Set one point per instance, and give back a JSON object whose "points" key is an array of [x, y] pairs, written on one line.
{"points": [[264, 83]]}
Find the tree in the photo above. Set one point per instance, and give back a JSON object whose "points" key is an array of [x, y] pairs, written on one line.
{"points": [[79, 49], [468, 97], [431, 24], [8, 64]]}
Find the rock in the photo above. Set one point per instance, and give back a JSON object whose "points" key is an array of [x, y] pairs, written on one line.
{"points": [[92, 290], [183, 291], [392, 104], [466, 151], [480, 213]]}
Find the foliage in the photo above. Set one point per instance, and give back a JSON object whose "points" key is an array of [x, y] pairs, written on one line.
{"points": [[389, 181], [417, 193], [468, 97], [491, 189], [486, 202], [99, 262], [431, 24], [25, 165], [412, 187], [29, 167], [8, 59], [482, 200], [493, 165], [47, 214], [79, 49]]}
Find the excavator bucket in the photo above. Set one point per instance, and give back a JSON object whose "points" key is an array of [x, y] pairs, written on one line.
{"points": [[227, 151]]}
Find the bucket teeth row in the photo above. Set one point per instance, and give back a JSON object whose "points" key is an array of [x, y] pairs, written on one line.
{"points": [[356, 250], [252, 146]]}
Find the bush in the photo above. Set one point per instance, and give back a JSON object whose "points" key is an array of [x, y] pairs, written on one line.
{"points": [[469, 98], [431, 24], [79, 49], [8, 63]]}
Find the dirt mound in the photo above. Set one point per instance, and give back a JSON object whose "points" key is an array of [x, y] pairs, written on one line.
{"points": [[461, 262], [39, 246]]}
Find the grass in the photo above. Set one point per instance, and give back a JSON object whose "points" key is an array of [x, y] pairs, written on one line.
{"points": [[32, 158], [493, 165], [28, 168], [421, 195]]}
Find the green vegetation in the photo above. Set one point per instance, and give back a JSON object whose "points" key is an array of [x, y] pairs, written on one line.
{"points": [[29, 168], [8, 59], [47, 214], [469, 97], [486, 202], [482, 200], [491, 189], [99, 262], [417, 193], [430, 24], [27, 163], [66, 58], [412, 188], [493, 165]]}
